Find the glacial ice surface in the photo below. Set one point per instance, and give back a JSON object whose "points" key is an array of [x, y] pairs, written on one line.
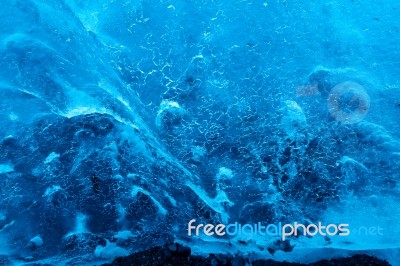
{"points": [[123, 120]]}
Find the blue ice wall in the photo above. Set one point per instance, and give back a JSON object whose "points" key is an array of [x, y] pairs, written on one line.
{"points": [[123, 120]]}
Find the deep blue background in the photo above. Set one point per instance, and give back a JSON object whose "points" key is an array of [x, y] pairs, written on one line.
{"points": [[123, 120]]}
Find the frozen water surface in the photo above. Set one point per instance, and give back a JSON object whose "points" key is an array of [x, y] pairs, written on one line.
{"points": [[123, 120]]}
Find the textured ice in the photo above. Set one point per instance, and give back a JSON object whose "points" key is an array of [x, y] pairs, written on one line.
{"points": [[123, 120]]}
